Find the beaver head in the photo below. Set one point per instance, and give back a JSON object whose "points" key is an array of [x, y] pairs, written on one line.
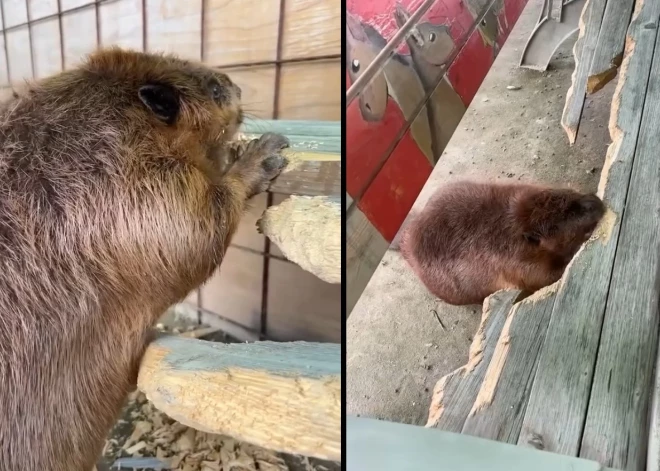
{"points": [[558, 221]]}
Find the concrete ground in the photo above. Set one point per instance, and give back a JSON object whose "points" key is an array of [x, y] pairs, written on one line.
{"points": [[397, 347]]}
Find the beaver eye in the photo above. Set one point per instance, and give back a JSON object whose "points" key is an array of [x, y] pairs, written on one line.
{"points": [[216, 91]]}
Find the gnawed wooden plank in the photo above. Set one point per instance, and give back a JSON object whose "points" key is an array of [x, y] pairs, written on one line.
{"points": [[282, 396], [497, 412], [560, 394], [611, 40], [308, 232], [590, 21], [616, 429], [455, 393]]}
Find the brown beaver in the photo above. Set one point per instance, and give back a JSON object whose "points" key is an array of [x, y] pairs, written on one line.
{"points": [[113, 206], [473, 239]]}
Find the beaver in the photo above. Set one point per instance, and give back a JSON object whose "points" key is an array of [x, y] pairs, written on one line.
{"points": [[473, 239], [114, 205]]}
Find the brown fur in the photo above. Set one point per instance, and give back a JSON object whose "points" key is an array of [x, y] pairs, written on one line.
{"points": [[473, 239], [108, 215]]}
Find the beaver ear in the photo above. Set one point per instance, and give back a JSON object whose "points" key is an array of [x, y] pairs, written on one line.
{"points": [[163, 100]]}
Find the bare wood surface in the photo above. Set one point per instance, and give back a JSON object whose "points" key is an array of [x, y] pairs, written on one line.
{"points": [[611, 40], [282, 396], [498, 410], [455, 393], [590, 21], [616, 427], [308, 232], [558, 402]]}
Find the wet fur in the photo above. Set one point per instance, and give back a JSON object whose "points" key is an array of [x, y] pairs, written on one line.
{"points": [[108, 215], [473, 239]]}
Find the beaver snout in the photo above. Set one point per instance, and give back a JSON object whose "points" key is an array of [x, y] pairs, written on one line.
{"points": [[592, 205]]}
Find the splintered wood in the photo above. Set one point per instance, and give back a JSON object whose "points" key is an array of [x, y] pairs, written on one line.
{"points": [[154, 434], [598, 52], [308, 232], [572, 370]]}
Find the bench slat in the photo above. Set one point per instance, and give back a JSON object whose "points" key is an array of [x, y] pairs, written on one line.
{"points": [[616, 427], [560, 395]]}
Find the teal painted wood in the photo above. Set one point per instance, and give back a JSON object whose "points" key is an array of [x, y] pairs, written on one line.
{"points": [[311, 177], [616, 429], [291, 359], [323, 137], [558, 402], [387, 446]]}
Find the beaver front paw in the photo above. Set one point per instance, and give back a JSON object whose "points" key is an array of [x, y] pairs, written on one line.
{"points": [[261, 160]]}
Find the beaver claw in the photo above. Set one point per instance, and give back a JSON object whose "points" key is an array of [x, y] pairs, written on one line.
{"points": [[261, 161]]}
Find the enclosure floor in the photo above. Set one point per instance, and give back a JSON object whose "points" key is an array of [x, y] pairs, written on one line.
{"points": [[397, 349]]}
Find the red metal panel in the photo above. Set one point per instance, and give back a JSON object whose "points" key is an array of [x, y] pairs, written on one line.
{"points": [[387, 160]]}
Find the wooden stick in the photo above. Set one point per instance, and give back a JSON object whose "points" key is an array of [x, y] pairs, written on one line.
{"points": [[308, 231], [282, 396]]}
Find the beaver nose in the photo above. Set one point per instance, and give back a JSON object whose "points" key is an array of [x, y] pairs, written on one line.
{"points": [[591, 204]]}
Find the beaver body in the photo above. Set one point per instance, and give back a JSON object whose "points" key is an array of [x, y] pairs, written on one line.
{"points": [[113, 206], [473, 239]]}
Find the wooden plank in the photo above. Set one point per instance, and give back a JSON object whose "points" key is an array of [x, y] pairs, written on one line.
{"points": [[120, 24], [365, 247], [308, 232], [4, 78], [234, 34], [558, 402], [46, 48], [20, 64], [590, 21], [498, 410], [257, 89], [175, 27], [292, 291], [455, 393], [312, 28], [15, 12], [41, 8], [311, 91], [611, 40], [282, 396], [388, 446], [616, 430], [79, 36]]}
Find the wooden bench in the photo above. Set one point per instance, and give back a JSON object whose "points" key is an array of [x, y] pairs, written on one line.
{"points": [[571, 369], [282, 396]]}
